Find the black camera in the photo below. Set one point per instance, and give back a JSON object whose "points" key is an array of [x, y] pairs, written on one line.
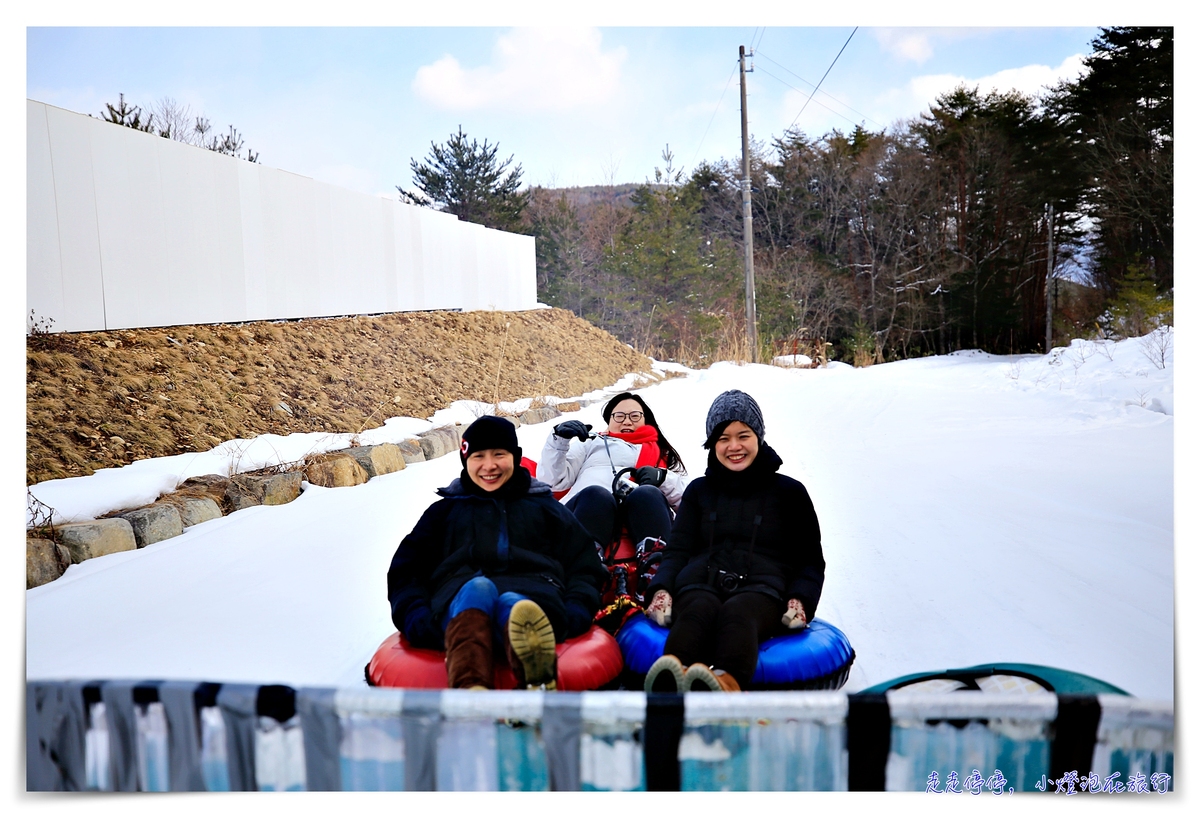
{"points": [[728, 581], [623, 485]]}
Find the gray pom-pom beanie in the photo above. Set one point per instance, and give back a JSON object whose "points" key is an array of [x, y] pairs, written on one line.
{"points": [[728, 407]]}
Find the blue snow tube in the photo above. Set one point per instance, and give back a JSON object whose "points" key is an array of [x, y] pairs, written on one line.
{"points": [[817, 658]]}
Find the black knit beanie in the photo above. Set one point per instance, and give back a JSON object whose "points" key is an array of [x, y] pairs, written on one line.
{"points": [[728, 407], [490, 432]]}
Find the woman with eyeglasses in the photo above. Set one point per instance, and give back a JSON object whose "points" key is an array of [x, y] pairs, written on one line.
{"points": [[585, 465]]}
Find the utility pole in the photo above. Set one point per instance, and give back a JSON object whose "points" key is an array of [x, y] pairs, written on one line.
{"points": [[1049, 273], [747, 218]]}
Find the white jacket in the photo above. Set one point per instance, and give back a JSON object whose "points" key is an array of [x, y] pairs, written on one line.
{"points": [[569, 464]]}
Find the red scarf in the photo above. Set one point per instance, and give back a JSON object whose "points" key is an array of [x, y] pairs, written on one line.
{"points": [[647, 436]]}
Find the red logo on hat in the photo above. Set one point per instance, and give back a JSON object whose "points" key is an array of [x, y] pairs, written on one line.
{"points": [[463, 448]]}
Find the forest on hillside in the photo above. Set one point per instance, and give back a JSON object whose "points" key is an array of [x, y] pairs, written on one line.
{"points": [[949, 231], [923, 238]]}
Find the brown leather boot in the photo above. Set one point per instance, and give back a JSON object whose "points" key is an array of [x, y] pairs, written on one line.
{"points": [[469, 650]]}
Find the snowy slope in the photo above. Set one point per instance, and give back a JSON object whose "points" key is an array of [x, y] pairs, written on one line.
{"points": [[974, 508]]}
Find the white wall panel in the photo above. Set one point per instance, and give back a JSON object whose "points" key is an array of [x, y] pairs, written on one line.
{"points": [[202, 235], [524, 272], [384, 208], [353, 275], [439, 260], [324, 253], [78, 234], [132, 226], [253, 249], [291, 280], [490, 253], [470, 295], [128, 229], [409, 272], [43, 264]]}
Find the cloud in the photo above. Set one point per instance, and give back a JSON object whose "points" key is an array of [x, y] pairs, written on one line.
{"points": [[532, 69], [1028, 79], [906, 43], [916, 44], [921, 92]]}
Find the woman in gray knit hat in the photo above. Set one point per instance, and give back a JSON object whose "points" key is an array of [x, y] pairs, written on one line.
{"points": [[744, 560]]}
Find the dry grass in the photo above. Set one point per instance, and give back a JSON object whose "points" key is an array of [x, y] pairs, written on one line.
{"points": [[101, 399], [726, 341]]}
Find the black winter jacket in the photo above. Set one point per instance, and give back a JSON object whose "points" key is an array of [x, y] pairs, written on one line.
{"points": [[715, 526], [519, 536]]}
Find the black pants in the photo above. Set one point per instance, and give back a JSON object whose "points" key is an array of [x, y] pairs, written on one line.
{"points": [[724, 634], [644, 512]]}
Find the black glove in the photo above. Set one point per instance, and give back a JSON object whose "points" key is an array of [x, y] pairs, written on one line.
{"points": [[649, 476], [421, 630], [573, 428]]}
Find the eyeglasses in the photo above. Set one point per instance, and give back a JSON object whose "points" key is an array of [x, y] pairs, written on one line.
{"points": [[620, 417]]}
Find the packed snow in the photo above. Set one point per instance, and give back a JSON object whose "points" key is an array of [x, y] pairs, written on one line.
{"points": [[974, 508]]}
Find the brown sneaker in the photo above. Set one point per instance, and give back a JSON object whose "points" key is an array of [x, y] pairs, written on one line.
{"points": [[531, 638], [665, 675], [727, 682], [701, 677]]}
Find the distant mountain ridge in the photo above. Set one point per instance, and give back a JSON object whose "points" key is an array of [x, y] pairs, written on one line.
{"points": [[594, 194]]}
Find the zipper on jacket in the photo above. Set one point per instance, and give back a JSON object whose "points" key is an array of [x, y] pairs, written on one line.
{"points": [[502, 541]]}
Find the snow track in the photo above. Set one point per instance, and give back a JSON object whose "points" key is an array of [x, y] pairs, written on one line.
{"points": [[974, 509]]}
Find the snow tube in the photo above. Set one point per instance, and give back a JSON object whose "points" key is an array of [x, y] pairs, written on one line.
{"points": [[1010, 677], [587, 662], [817, 658]]}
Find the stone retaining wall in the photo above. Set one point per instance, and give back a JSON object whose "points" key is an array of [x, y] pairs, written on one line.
{"points": [[199, 499]]}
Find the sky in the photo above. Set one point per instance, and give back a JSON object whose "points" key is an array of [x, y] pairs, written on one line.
{"points": [[572, 104]]}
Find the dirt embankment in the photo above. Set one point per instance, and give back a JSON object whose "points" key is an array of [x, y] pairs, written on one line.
{"points": [[101, 399]]}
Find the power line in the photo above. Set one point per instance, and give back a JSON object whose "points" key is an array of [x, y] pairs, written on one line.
{"points": [[800, 91], [806, 82], [714, 116], [754, 45], [823, 76]]}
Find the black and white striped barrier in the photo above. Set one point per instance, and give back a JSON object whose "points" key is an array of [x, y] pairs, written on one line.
{"points": [[188, 736]]}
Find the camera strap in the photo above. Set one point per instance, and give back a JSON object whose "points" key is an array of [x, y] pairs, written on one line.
{"points": [[611, 464]]}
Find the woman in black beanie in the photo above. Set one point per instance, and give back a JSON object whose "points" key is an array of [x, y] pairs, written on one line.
{"points": [[743, 562], [496, 566]]}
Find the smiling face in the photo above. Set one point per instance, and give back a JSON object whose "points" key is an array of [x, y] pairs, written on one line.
{"points": [[490, 468], [736, 447], [626, 424]]}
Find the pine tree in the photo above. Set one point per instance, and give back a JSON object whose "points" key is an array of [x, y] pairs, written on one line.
{"points": [[673, 272], [1120, 118], [127, 115], [467, 180]]}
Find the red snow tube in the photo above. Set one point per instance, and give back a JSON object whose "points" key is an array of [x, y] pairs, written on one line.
{"points": [[587, 662]]}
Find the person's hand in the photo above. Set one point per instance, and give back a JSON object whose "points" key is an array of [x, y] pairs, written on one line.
{"points": [[794, 617], [573, 428], [649, 476], [659, 609]]}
